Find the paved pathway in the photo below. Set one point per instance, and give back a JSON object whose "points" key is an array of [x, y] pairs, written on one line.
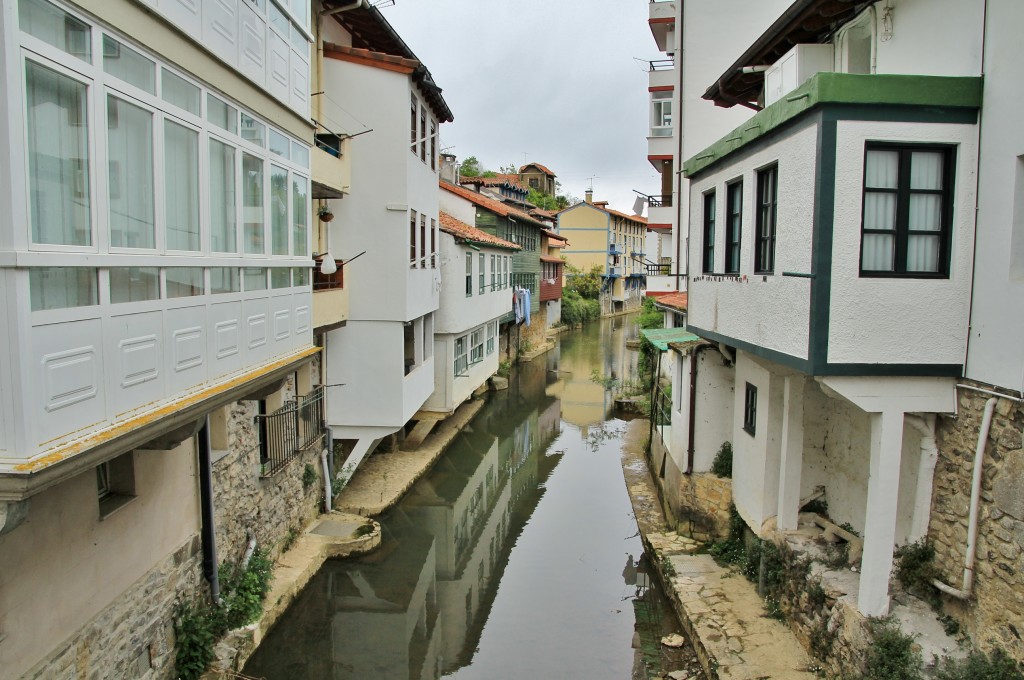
{"points": [[719, 609]]}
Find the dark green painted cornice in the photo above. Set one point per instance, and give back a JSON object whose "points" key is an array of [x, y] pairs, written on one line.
{"points": [[942, 93]]}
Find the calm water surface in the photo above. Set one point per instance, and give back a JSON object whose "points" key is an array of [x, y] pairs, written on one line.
{"points": [[514, 558]]}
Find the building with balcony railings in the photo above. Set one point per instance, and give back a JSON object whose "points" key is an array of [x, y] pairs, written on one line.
{"points": [[474, 297], [384, 228], [680, 123], [523, 329], [155, 278], [552, 271], [615, 244], [838, 233]]}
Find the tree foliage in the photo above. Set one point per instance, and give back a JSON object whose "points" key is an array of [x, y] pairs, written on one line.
{"points": [[585, 284], [471, 167]]}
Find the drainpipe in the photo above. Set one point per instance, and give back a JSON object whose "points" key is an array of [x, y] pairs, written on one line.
{"points": [[206, 511], [925, 473], [972, 522], [327, 480]]}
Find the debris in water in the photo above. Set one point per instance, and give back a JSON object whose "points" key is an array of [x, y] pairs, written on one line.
{"points": [[673, 640]]}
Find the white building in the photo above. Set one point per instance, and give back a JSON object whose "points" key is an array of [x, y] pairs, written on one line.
{"points": [[380, 365], [471, 305], [694, 50], [832, 250], [154, 272]]}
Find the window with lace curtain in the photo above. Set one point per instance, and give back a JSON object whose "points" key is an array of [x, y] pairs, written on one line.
{"points": [[907, 211]]}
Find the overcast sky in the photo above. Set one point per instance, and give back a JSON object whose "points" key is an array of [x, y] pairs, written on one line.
{"points": [[558, 80]]}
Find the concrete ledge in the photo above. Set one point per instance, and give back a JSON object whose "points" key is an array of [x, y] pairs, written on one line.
{"points": [[383, 478]]}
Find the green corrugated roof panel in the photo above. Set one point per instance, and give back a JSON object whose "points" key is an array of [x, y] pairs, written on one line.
{"points": [[661, 337]]}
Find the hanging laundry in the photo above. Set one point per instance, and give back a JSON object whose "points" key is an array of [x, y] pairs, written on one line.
{"points": [[526, 305], [517, 304]]}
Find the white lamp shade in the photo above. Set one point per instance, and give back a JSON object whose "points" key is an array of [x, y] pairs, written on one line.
{"points": [[328, 265]]}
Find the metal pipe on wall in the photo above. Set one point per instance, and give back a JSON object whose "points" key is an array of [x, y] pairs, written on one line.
{"points": [[209, 537]]}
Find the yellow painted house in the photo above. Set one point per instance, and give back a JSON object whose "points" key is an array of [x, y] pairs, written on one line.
{"points": [[612, 240]]}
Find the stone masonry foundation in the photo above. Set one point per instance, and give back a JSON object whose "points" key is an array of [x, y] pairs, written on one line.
{"points": [[994, 616]]}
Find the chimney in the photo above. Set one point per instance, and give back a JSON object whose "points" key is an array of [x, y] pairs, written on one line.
{"points": [[589, 195], [449, 168], [600, 204]]}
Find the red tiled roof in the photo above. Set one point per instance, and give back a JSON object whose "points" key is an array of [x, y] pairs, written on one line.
{"points": [[551, 234], [460, 229], [602, 206], [489, 203], [511, 180], [674, 300], [547, 214], [549, 258], [539, 167]]}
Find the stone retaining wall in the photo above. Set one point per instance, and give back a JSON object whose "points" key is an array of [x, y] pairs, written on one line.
{"points": [[266, 506], [697, 505], [134, 636], [994, 616]]}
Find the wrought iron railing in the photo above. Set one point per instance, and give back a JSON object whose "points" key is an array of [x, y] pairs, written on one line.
{"points": [[658, 269], [656, 200], [297, 426]]}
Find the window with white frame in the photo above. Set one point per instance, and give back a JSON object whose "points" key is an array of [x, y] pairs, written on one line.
{"points": [[907, 214], [469, 274], [483, 273], [494, 278], [412, 239], [461, 357], [422, 131], [476, 343], [151, 133], [492, 332], [661, 113]]}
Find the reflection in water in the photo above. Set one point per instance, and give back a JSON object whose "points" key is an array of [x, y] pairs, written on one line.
{"points": [[505, 561]]}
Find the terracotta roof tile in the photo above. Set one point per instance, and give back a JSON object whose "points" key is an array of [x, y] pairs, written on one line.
{"points": [[539, 167], [551, 234], [342, 51], [460, 229], [489, 203], [497, 180], [673, 300]]}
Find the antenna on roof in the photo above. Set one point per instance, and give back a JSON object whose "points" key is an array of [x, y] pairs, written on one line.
{"points": [[591, 180]]}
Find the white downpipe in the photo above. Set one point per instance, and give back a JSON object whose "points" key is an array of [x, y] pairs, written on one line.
{"points": [[726, 352], [249, 550], [925, 474], [327, 480], [972, 522]]}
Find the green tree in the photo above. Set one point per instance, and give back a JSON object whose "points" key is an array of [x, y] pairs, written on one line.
{"points": [[586, 284], [542, 200], [471, 167]]}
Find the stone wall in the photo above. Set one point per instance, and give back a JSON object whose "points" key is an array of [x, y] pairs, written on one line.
{"points": [[134, 636], [697, 505], [245, 502], [994, 616]]}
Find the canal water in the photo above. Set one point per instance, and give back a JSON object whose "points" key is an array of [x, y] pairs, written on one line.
{"points": [[516, 557]]}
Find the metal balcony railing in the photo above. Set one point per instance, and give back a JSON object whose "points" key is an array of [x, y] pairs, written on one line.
{"points": [[662, 64], [656, 200], [295, 427], [658, 269]]}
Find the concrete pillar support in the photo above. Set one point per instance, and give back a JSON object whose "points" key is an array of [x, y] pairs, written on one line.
{"points": [[880, 519], [792, 455]]}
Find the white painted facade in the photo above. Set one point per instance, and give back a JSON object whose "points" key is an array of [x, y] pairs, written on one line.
{"points": [[838, 369], [700, 51], [383, 358], [995, 352], [127, 290], [464, 318]]}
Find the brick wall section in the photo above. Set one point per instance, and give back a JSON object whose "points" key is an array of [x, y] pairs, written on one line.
{"points": [[134, 636], [995, 615]]}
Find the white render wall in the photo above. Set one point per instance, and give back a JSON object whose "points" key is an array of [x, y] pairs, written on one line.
{"points": [[715, 401], [387, 182], [769, 311], [930, 37], [458, 313], [899, 320], [451, 390], [996, 349], [756, 459]]}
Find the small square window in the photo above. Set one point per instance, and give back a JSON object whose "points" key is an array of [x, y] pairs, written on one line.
{"points": [[750, 410], [115, 483]]}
